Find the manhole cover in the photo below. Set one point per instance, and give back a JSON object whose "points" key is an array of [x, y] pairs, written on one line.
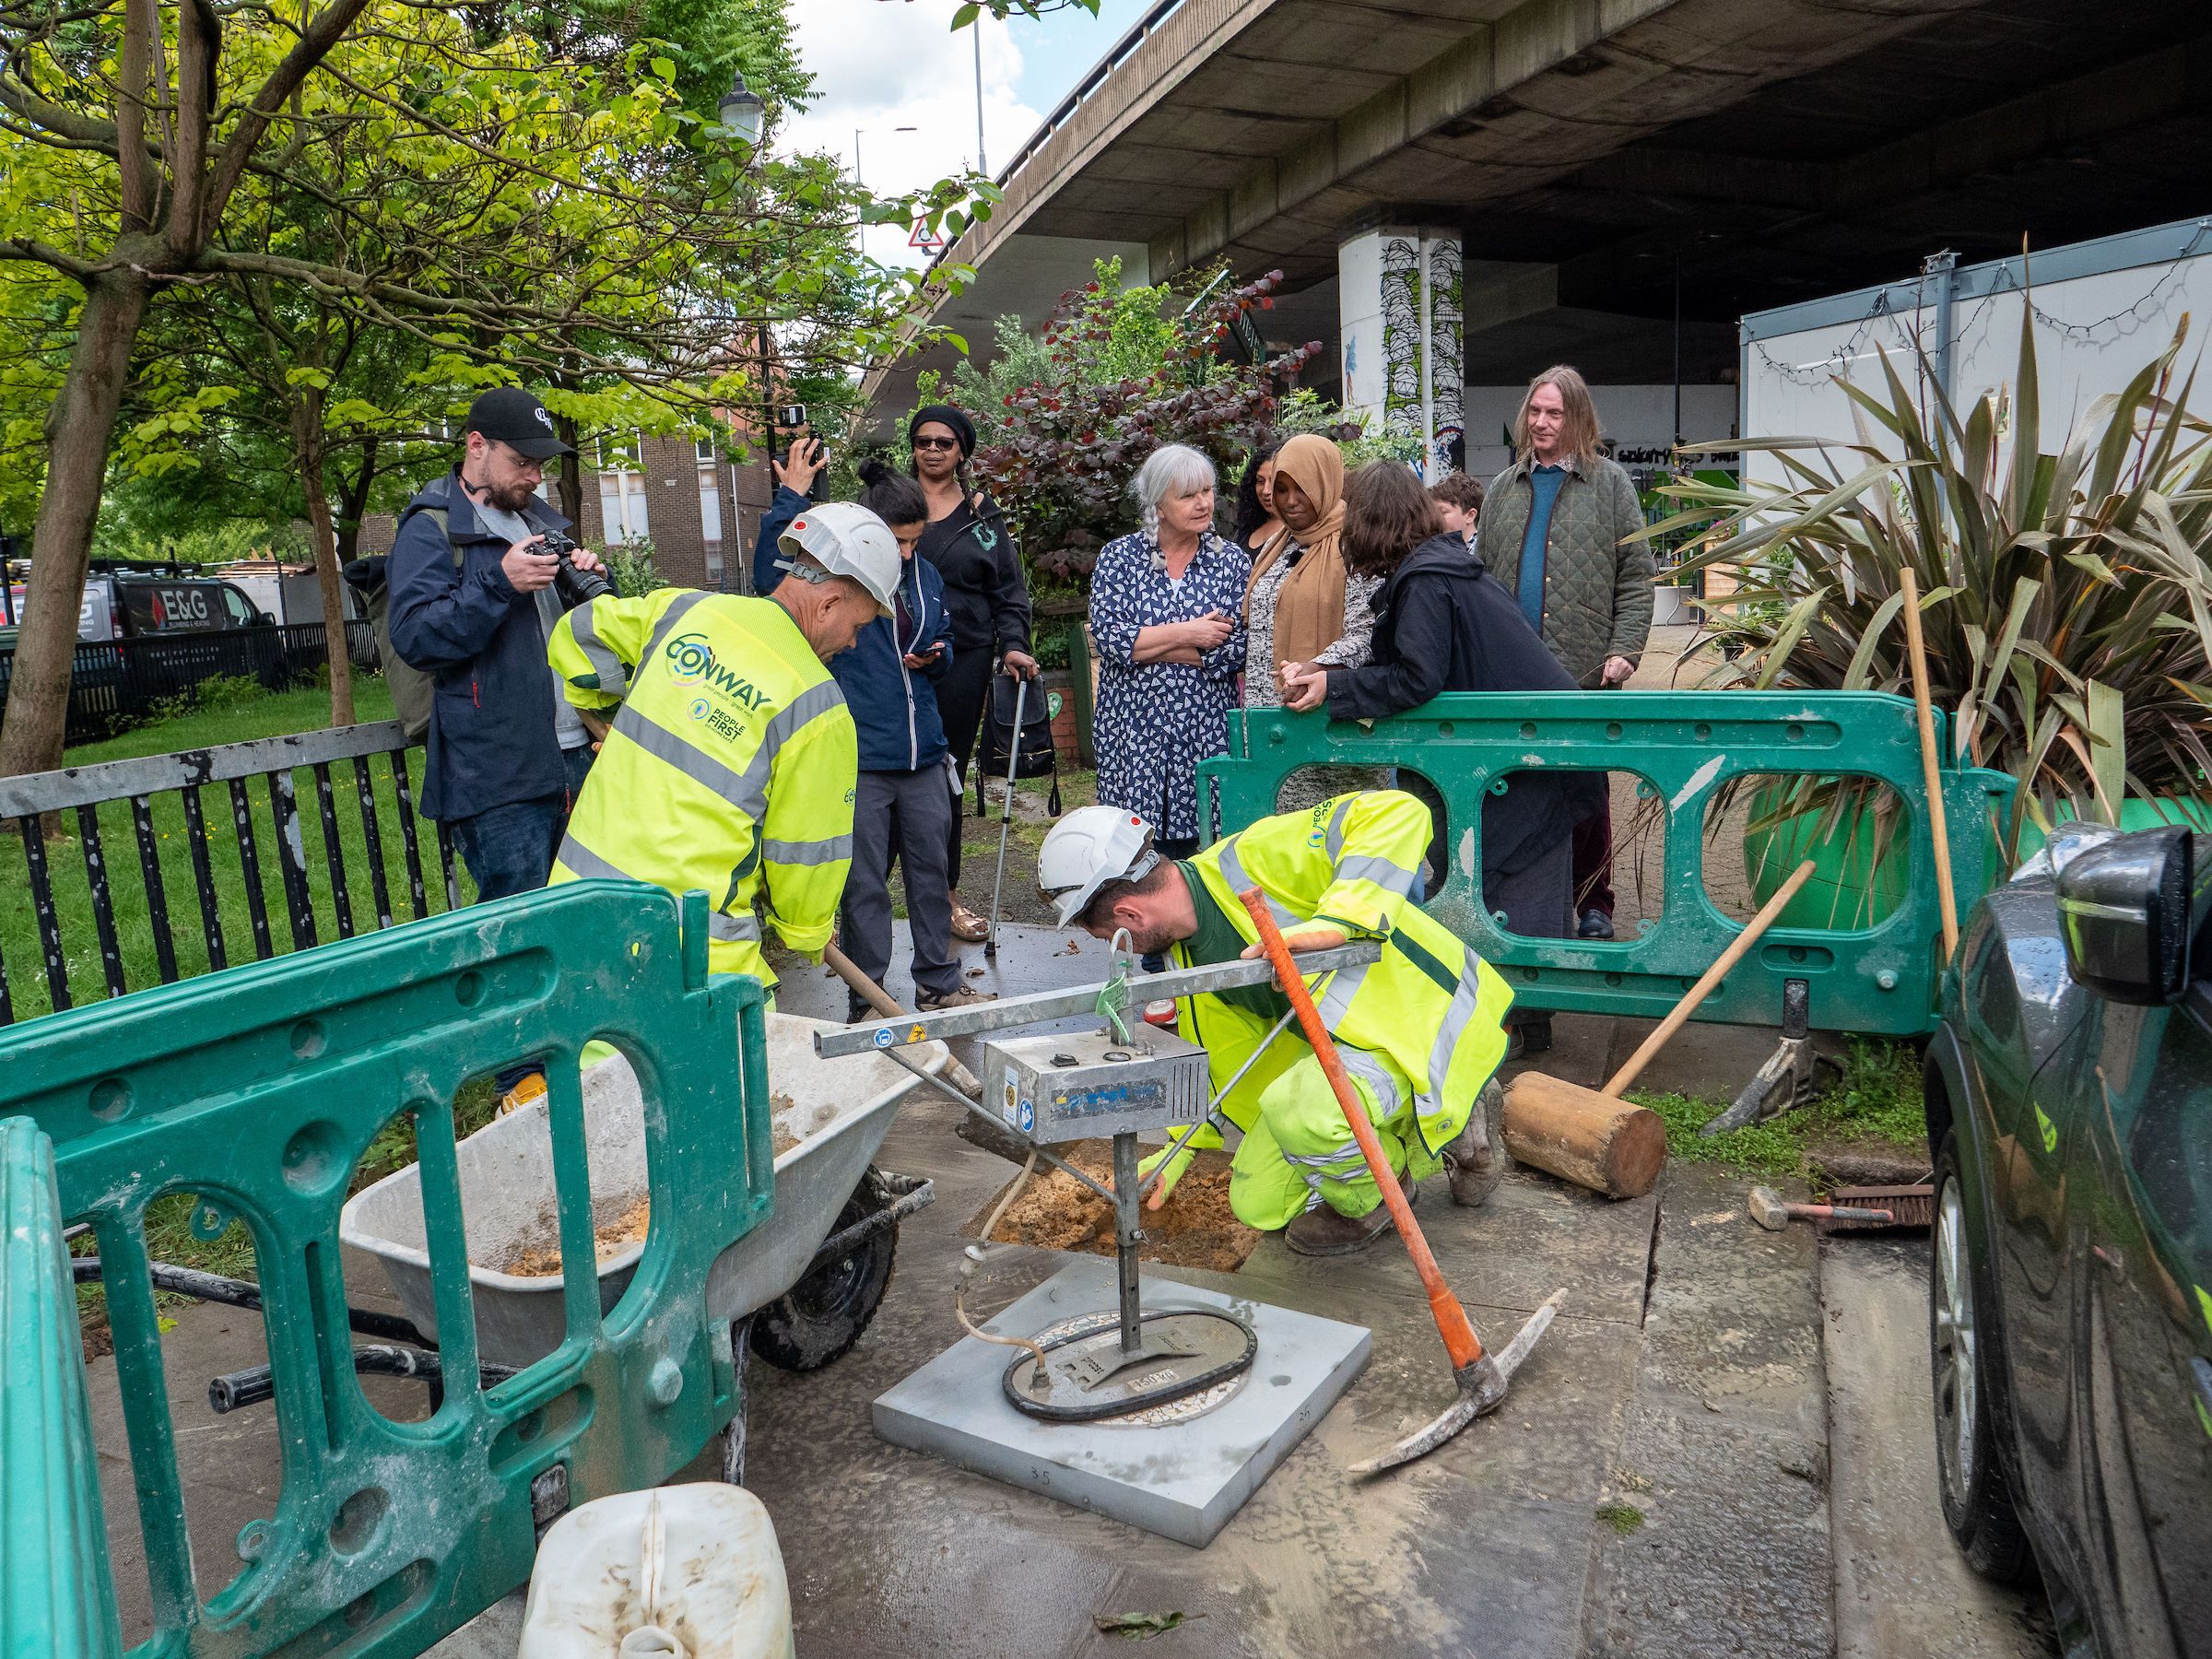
{"points": [[1188, 1356]]}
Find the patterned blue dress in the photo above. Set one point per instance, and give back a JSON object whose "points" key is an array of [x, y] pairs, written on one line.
{"points": [[1157, 720]]}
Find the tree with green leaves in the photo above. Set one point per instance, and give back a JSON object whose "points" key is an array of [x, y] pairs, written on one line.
{"points": [[504, 214]]}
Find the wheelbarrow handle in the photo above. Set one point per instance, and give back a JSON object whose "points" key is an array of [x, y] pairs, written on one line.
{"points": [[1452, 1323]]}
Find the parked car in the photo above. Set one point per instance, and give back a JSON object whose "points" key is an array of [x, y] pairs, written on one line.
{"points": [[2069, 1101], [97, 616], [128, 599]]}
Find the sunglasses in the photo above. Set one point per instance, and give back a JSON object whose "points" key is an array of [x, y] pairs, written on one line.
{"points": [[937, 443]]}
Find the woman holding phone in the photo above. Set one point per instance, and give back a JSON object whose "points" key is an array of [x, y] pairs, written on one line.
{"points": [[966, 539]]}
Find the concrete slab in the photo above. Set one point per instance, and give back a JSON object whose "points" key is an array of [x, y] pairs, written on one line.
{"points": [[1181, 1480], [1901, 1585], [1719, 1540], [494, 1633]]}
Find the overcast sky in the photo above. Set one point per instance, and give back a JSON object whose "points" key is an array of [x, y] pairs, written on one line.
{"points": [[882, 65]]}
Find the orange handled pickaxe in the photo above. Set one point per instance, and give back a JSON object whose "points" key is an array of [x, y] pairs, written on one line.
{"points": [[1481, 1377]]}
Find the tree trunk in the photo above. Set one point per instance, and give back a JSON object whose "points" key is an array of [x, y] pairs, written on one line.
{"points": [[353, 500], [79, 428], [307, 443], [571, 474]]}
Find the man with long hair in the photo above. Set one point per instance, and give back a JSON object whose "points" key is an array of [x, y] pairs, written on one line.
{"points": [[1554, 532]]}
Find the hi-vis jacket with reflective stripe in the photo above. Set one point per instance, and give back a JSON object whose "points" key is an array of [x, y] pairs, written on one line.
{"points": [[1430, 1004], [732, 762]]}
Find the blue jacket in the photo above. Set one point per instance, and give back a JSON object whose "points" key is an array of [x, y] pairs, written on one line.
{"points": [[491, 738], [894, 707]]}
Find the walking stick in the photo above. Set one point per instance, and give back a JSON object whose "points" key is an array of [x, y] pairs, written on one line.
{"points": [[1006, 824], [1481, 1378]]}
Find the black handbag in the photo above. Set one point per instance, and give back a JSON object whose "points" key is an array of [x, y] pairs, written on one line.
{"points": [[1034, 756]]}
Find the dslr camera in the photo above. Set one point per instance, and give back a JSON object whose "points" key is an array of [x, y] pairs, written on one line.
{"points": [[575, 587]]}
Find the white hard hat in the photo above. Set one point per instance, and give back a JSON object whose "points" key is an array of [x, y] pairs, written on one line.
{"points": [[1090, 846], [845, 539]]}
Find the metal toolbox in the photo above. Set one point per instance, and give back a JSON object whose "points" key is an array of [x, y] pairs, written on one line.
{"points": [[1073, 1085]]}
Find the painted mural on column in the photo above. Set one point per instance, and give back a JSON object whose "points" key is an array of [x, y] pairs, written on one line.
{"points": [[1447, 352], [1402, 344]]}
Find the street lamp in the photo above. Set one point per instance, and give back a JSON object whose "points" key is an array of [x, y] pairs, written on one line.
{"points": [[741, 109], [856, 179]]}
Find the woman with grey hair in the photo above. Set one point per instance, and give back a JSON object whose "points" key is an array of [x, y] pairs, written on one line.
{"points": [[1166, 608]]}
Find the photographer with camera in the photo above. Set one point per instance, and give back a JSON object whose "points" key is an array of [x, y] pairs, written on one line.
{"points": [[480, 573]]}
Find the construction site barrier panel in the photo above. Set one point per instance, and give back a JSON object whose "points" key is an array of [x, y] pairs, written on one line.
{"points": [[257, 1090], [1686, 746]]}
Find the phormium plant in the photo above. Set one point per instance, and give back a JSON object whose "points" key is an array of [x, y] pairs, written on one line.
{"points": [[2066, 599]]}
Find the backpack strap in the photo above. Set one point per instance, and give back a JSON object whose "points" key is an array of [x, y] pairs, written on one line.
{"points": [[440, 515]]}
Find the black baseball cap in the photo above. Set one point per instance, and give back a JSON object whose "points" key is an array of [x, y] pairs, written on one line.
{"points": [[512, 417]]}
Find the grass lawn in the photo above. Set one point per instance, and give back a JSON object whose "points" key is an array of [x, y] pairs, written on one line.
{"points": [[231, 722]]}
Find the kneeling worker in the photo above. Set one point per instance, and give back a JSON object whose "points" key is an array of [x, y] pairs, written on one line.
{"points": [[731, 760], [1419, 1031]]}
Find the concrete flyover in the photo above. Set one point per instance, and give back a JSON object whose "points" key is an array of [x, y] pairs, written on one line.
{"points": [[1591, 159]]}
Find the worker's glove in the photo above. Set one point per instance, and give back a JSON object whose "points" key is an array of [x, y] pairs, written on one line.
{"points": [[1207, 1136]]}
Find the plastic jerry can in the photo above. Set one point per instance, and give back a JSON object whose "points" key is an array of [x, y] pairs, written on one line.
{"points": [[677, 1573]]}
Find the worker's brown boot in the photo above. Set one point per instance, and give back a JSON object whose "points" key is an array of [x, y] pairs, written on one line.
{"points": [[1321, 1231], [963, 996], [1475, 1158]]}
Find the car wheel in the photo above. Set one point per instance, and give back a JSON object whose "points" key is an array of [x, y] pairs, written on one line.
{"points": [[1977, 1502]]}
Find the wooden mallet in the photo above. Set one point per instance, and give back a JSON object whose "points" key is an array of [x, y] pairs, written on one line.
{"points": [[1595, 1138]]}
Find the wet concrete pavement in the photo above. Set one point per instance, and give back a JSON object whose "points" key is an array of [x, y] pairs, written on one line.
{"points": [[1686, 1391], [1900, 1585]]}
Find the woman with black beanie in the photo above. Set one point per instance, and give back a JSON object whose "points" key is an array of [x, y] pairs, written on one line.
{"points": [[968, 542]]}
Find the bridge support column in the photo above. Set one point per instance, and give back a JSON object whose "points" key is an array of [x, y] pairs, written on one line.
{"points": [[1402, 332]]}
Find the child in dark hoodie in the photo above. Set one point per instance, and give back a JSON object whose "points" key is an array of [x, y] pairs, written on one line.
{"points": [[1444, 624], [902, 807]]}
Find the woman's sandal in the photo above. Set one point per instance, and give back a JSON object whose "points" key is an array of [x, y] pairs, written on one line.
{"points": [[967, 925]]}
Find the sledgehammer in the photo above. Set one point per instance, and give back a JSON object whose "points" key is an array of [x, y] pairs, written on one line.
{"points": [[1481, 1378], [1769, 1210]]}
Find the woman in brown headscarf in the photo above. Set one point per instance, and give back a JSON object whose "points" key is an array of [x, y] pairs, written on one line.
{"points": [[1301, 607]]}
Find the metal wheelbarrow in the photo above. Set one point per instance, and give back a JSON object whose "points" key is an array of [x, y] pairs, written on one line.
{"points": [[810, 1295]]}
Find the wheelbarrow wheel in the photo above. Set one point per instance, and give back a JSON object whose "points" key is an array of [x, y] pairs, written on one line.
{"points": [[819, 1318]]}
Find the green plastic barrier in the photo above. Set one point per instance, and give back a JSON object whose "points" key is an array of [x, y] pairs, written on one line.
{"points": [[258, 1089], [1685, 745], [54, 1543]]}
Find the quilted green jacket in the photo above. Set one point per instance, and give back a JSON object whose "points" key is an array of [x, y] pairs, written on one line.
{"points": [[1597, 592]]}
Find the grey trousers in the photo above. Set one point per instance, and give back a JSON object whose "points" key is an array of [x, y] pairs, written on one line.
{"points": [[907, 816]]}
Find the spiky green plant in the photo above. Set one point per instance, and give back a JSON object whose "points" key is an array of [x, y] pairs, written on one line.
{"points": [[2066, 599]]}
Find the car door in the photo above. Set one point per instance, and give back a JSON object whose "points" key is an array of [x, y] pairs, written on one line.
{"points": [[2022, 1142], [2144, 1370], [239, 611]]}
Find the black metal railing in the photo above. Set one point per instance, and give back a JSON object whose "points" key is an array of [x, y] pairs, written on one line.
{"points": [[116, 681], [223, 886]]}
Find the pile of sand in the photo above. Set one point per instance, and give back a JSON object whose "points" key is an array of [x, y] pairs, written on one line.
{"points": [[629, 1228], [1193, 1229]]}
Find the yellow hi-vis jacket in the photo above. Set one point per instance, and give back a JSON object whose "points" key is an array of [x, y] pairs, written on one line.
{"points": [[1430, 1004], [732, 763]]}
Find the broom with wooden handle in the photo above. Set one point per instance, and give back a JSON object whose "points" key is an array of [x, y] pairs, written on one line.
{"points": [[1591, 1136]]}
